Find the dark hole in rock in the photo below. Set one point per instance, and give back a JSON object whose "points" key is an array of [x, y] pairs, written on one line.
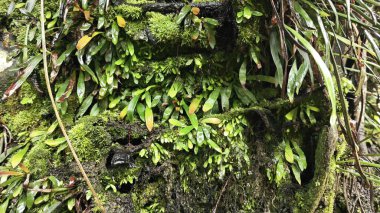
{"points": [[126, 187], [309, 150], [126, 141], [117, 159]]}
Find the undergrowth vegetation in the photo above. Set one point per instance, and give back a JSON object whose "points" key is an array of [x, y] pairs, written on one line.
{"points": [[234, 106]]}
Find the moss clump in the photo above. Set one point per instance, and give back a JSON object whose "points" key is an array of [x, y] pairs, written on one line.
{"points": [[91, 139], [128, 11], [38, 160], [148, 198], [18, 117], [163, 27]]}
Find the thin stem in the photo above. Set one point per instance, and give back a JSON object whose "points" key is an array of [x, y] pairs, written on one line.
{"points": [[63, 129]]}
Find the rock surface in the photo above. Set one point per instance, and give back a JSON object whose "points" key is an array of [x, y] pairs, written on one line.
{"points": [[5, 76]]}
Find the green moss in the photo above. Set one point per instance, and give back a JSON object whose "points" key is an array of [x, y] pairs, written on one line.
{"points": [[38, 160], [148, 199], [90, 139], [128, 11], [163, 27], [4, 4]]}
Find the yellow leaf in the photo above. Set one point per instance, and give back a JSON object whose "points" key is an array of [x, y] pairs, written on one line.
{"points": [[195, 10], [120, 21], [87, 15], [211, 121], [194, 105], [83, 42], [149, 118]]}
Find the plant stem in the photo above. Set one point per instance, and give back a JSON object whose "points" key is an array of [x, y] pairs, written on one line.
{"points": [[63, 129]]}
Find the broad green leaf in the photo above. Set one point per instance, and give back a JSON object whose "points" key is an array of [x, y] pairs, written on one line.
{"points": [[85, 105], [247, 12], [275, 49], [185, 130], [115, 33], [71, 203], [149, 120], [168, 111], [328, 80], [141, 111], [292, 115], [89, 71], [81, 89], [114, 102], [175, 88], [132, 106], [148, 99], [4, 206], [192, 117], [302, 163], [194, 104], [55, 142], [296, 173], [176, 122], [289, 153], [131, 49], [225, 94], [215, 146], [295, 79], [211, 100], [200, 136], [24, 74], [17, 158], [95, 110], [65, 54], [245, 95], [36, 133], [243, 73], [183, 13], [280, 171], [42, 199]]}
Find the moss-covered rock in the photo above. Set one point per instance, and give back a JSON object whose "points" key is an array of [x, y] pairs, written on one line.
{"points": [[90, 139], [39, 159]]}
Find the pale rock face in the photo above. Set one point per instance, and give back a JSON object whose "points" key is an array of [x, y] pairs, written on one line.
{"points": [[6, 78], [3, 60]]}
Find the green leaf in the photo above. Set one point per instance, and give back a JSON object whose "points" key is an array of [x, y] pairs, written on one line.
{"points": [[296, 77], [149, 119], [192, 117], [71, 203], [296, 173], [17, 158], [131, 49], [81, 89], [280, 171], [24, 74], [211, 100], [275, 49], [185, 130], [175, 88], [289, 153], [328, 80], [215, 146], [183, 13], [200, 136], [168, 111], [176, 122], [4, 206], [243, 73], [302, 163], [247, 12], [85, 105], [115, 33], [55, 142], [114, 102], [89, 71], [132, 106], [225, 95], [141, 111]]}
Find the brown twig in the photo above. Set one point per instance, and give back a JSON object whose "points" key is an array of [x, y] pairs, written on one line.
{"points": [[63, 129], [220, 195]]}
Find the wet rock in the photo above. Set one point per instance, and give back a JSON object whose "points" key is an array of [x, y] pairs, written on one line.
{"points": [[6, 76], [122, 159]]}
